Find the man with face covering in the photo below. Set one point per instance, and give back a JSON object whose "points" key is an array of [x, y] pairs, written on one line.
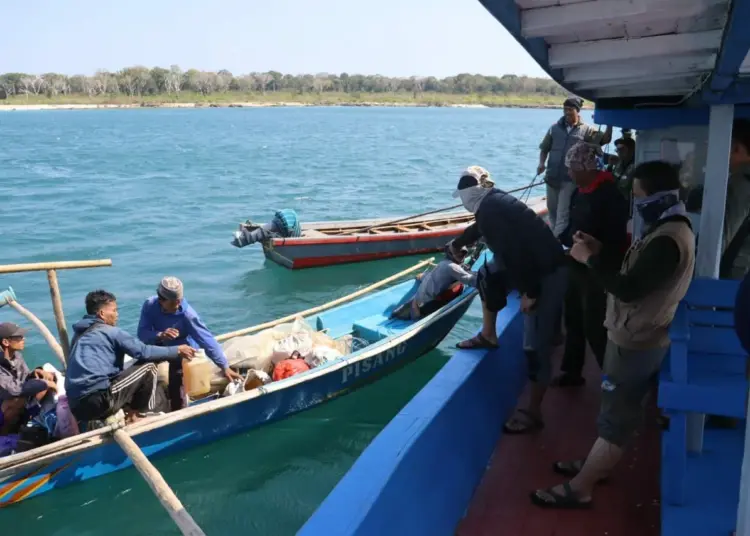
{"points": [[528, 258]]}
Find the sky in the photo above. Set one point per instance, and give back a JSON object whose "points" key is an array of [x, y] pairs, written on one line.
{"points": [[388, 37]]}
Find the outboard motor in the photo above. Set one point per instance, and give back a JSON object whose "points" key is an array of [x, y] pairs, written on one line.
{"points": [[285, 224]]}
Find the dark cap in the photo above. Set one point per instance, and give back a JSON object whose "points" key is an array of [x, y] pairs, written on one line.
{"points": [[9, 330], [467, 180], [573, 102]]}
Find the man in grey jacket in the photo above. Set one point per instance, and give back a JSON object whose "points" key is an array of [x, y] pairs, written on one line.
{"points": [[564, 134]]}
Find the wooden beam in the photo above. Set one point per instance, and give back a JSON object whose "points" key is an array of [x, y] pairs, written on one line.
{"points": [[615, 50], [62, 328], [158, 485], [44, 266], [637, 68], [734, 49], [403, 229], [635, 83], [580, 17], [646, 90]]}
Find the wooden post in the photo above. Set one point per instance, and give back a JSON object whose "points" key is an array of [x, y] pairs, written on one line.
{"points": [[62, 329], [158, 485]]}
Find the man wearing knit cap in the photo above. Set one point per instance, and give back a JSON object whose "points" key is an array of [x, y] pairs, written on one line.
{"points": [[566, 132], [167, 319]]}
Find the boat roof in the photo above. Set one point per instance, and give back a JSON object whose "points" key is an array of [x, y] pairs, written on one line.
{"points": [[626, 53]]}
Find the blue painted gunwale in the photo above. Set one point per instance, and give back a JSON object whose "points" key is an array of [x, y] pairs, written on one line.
{"points": [[419, 474], [213, 420]]}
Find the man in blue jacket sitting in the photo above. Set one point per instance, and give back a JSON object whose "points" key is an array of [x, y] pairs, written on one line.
{"points": [[167, 319], [97, 384]]}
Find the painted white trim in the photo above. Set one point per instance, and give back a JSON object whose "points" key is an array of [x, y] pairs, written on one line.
{"points": [[571, 19], [615, 50]]}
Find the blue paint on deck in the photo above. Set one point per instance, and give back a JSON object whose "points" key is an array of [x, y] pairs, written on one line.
{"points": [[712, 492], [419, 474]]}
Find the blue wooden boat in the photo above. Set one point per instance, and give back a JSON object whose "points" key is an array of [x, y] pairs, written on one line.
{"points": [[391, 344]]}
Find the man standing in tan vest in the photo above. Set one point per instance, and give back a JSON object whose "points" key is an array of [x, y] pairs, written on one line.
{"points": [[641, 303]]}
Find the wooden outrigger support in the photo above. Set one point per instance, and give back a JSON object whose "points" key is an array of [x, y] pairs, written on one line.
{"points": [[54, 290], [150, 474]]}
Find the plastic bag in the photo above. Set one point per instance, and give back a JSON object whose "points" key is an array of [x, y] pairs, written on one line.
{"points": [[288, 368], [66, 425], [256, 378], [300, 342], [322, 354]]}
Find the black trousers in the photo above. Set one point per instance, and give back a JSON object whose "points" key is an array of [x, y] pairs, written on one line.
{"points": [[175, 384], [135, 388], [585, 307]]}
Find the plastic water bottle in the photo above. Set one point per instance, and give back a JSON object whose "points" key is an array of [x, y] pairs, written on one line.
{"points": [[66, 423]]}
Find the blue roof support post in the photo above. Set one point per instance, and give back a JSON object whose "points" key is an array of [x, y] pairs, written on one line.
{"points": [[743, 509], [711, 231], [734, 47]]}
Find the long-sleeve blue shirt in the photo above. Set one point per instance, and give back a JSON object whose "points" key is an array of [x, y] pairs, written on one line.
{"points": [[192, 329]]}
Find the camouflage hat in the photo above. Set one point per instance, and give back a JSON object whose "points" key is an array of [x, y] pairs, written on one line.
{"points": [[583, 157], [481, 174]]}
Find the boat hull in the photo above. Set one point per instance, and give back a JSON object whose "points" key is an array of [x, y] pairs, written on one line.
{"points": [[320, 249], [223, 417], [299, 253]]}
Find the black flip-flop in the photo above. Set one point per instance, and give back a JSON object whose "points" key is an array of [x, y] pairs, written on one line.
{"points": [[572, 468], [531, 424], [570, 500], [477, 343]]}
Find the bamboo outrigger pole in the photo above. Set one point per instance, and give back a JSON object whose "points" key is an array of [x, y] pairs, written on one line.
{"points": [[329, 305], [63, 348], [158, 485]]}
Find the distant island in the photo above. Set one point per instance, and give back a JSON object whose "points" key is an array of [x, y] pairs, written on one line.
{"points": [[143, 87]]}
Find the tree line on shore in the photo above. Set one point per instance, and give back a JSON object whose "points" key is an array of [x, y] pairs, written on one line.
{"points": [[141, 81]]}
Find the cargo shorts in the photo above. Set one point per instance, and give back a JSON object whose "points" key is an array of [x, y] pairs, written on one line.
{"points": [[629, 376]]}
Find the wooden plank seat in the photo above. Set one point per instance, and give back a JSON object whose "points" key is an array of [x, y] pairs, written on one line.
{"points": [[705, 373]]}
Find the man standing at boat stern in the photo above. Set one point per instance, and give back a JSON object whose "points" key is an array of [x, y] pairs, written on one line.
{"points": [[167, 319], [643, 298], [566, 132], [96, 382], [528, 258]]}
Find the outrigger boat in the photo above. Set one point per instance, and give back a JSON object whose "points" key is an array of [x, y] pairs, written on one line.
{"points": [[365, 314]]}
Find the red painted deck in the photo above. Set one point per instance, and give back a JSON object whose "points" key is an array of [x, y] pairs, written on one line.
{"points": [[628, 505]]}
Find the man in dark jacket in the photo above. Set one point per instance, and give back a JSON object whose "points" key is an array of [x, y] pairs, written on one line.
{"points": [[18, 384], [598, 209], [528, 258], [96, 383]]}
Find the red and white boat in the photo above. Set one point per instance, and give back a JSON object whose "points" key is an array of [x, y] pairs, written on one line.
{"points": [[341, 242]]}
